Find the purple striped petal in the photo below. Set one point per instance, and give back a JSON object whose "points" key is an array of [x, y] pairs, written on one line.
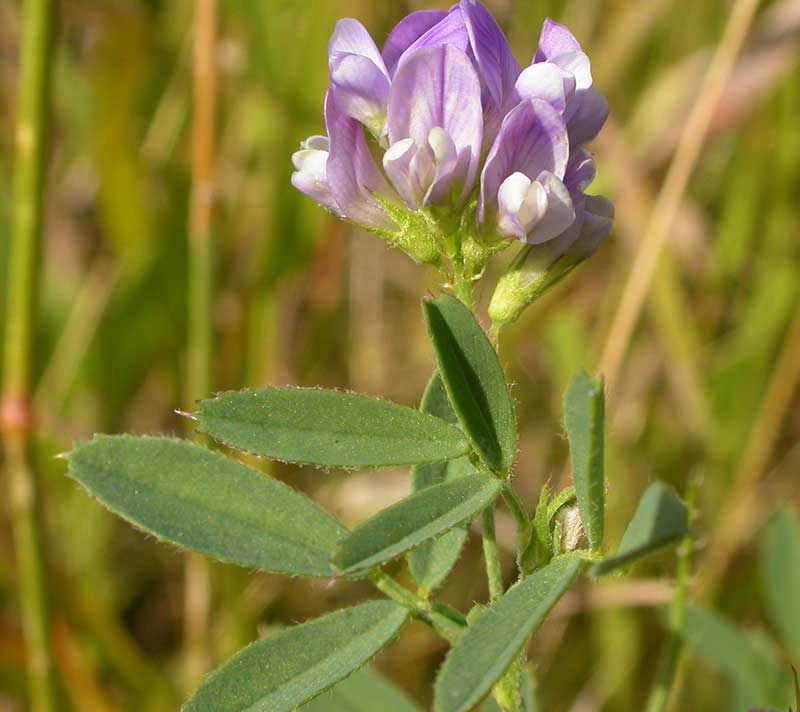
{"points": [[451, 31], [589, 116], [496, 64], [437, 88], [406, 33], [353, 177], [359, 74], [532, 139], [362, 89], [587, 109], [351, 37], [555, 39]]}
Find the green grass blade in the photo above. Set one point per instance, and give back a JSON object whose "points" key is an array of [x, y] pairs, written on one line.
{"points": [[414, 520], [749, 667], [780, 576], [498, 634], [328, 428], [201, 500], [474, 380], [584, 406], [288, 669]]}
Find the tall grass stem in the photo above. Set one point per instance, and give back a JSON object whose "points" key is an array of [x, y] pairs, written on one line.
{"points": [[16, 412], [197, 592]]}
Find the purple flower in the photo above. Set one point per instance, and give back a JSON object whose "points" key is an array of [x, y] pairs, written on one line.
{"points": [[587, 109], [443, 127]]}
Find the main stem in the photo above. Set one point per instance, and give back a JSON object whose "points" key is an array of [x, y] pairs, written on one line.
{"points": [[16, 419], [197, 593]]}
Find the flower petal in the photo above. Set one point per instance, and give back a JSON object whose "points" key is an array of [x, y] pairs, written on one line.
{"points": [[496, 64], [406, 33], [580, 173], [519, 200], [532, 139], [437, 87], [362, 89], [397, 164], [589, 116], [352, 174], [311, 175], [542, 81], [558, 214], [555, 39], [598, 220], [451, 31], [351, 37]]}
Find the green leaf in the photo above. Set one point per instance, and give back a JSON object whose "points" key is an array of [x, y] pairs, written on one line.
{"points": [[498, 634], [364, 691], [584, 406], [749, 666], [328, 428], [474, 380], [292, 667], [414, 520], [431, 562], [661, 520], [780, 576], [201, 500]]}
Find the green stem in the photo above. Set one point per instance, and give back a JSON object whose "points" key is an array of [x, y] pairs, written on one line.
{"points": [[463, 285], [518, 512], [444, 625], [494, 572], [16, 421], [197, 587], [659, 696]]}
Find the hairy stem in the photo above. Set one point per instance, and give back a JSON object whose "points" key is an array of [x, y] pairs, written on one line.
{"points": [[16, 420], [444, 625], [494, 573], [197, 591]]}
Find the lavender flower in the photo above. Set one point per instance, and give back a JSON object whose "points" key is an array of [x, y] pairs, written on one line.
{"points": [[442, 143]]}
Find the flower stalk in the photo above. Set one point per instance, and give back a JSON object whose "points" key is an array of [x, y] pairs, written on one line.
{"points": [[16, 418]]}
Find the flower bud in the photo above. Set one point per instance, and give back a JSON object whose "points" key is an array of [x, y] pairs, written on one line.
{"points": [[537, 268]]}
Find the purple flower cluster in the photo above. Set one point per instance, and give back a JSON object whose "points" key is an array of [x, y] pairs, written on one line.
{"points": [[459, 123]]}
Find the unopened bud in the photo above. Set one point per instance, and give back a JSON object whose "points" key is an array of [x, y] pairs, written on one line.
{"points": [[538, 268]]}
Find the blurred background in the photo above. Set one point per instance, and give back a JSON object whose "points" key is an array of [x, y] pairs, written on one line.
{"points": [[706, 392]]}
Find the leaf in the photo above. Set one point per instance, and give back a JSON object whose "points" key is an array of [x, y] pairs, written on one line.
{"points": [[414, 520], [584, 406], [201, 500], [292, 667], [780, 576], [364, 691], [474, 380], [661, 519], [498, 634], [749, 667], [431, 562], [328, 428]]}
